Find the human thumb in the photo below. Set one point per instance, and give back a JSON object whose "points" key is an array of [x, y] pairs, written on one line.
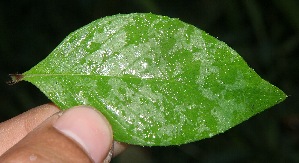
{"points": [[80, 134]]}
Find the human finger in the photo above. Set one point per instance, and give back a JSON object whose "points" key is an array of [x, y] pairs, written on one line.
{"points": [[80, 134]]}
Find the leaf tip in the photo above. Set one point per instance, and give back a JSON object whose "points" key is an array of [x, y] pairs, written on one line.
{"points": [[15, 78]]}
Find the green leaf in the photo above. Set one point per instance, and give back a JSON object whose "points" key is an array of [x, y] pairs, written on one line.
{"points": [[158, 80]]}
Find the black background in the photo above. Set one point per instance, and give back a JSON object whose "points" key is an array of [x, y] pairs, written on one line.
{"points": [[264, 33]]}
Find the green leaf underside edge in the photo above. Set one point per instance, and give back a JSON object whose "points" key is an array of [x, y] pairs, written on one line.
{"points": [[158, 80]]}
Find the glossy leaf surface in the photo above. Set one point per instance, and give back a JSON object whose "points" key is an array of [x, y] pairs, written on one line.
{"points": [[158, 80]]}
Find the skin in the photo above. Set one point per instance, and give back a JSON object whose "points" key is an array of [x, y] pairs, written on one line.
{"points": [[46, 134]]}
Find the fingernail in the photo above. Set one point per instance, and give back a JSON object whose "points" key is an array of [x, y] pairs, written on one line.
{"points": [[88, 128]]}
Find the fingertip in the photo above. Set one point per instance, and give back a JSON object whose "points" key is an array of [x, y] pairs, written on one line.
{"points": [[89, 128], [119, 147]]}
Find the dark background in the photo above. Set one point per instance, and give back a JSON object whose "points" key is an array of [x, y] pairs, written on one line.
{"points": [[265, 33]]}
